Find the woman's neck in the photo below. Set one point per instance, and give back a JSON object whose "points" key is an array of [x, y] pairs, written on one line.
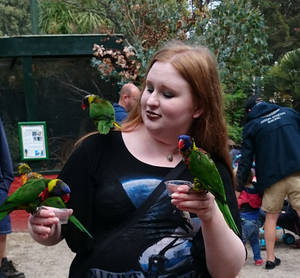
{"points": [[152, 149]]}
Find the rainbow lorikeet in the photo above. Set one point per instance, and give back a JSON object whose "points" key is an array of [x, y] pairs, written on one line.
{"points": [[29, 196], [101, 112], [25, 172], [206, 175]]}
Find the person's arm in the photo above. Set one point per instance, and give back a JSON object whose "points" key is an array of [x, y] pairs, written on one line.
{"points": [[44, 227], [6, 169], [245, 163], [218, 237]]}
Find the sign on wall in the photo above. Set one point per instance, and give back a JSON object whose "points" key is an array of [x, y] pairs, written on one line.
{"points": [[33, 140]]}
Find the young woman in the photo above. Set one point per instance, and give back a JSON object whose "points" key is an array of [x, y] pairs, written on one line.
{"points": [[110, 176]]}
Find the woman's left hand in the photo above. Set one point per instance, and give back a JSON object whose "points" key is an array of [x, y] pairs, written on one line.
{"points": [[201, 203]]}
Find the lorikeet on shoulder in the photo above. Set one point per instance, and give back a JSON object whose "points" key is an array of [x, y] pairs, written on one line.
{"points": [[101, 112]]}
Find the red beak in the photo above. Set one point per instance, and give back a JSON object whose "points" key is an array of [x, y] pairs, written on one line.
{"points": [[180, 144], [83, 106], [66, 198]]}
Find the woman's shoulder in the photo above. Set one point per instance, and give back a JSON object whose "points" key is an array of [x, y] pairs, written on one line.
{"points": [[95, 139]]}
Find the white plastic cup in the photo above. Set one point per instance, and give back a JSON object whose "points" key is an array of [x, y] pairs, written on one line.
{"points": [[173, 184], [61, 213]]}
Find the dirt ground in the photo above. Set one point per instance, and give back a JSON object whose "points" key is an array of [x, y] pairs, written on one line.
{"points": [[38, 261]]}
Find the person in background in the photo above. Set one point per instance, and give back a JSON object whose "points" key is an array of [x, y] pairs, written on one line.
{"points": [[182, 235], [289, 219], [7, 268], [235, 153], [271, 135], [249, 202], [129, 96]]}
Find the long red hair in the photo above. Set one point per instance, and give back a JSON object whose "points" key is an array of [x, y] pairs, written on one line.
{"points": [[198, 67]]}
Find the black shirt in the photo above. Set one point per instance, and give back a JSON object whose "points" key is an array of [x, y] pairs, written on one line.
{"points": [[107, 185]]}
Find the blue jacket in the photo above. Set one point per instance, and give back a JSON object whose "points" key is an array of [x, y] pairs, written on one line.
{"points": [[120, 113], [6, 167], [271, 136]]}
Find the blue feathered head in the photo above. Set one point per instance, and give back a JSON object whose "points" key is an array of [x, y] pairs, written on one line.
{"points": [[185, 143]]}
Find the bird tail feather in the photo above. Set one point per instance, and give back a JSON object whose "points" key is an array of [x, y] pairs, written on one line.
{"points": [[228, 217], [78, 224]]}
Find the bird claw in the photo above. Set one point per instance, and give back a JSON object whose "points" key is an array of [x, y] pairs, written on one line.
{"points": [[38, 210]]}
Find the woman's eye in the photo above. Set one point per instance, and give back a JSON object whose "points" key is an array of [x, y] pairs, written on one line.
{"points": [[167, 94], [150, 90]]}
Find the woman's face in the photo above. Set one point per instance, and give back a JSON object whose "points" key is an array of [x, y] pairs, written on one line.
{"points": [[167, 104]]}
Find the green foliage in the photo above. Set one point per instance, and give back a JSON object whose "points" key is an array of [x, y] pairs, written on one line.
{"points": [[282, 82], [235, 113], [68, 17], [14, 17], [235, 31], [282, 18], [148, 24]]}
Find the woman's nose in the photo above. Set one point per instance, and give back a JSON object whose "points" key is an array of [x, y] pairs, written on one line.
{"points": [[153, 99]]}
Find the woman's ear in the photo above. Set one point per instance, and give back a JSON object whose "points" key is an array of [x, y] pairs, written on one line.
{"points": [[197, 112]]}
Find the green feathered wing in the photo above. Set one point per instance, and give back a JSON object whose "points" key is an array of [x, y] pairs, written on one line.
{"points": [[25, 197], [103, 114], [57, 202], [207, 176]]}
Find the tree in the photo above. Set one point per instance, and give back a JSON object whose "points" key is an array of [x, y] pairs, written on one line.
{"points": [[235, 31], [282, 82], [14, 17], [282, 19], [71, 17]]}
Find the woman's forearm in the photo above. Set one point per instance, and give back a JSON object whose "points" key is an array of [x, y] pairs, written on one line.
{"points": [[225, 252]]}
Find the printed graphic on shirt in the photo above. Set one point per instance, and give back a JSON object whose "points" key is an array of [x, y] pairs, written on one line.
{"points": [[171, 254], [98, 273]]}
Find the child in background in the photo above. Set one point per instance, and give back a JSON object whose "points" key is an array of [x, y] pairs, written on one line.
{"points": [[249, 202]]}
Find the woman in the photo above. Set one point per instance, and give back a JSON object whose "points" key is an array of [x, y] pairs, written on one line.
{"points": [[112, 175]]}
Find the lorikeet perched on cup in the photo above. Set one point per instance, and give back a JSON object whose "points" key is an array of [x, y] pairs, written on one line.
{"points": [[36, 193], [101, 112], [206, 175], [29, 196]]}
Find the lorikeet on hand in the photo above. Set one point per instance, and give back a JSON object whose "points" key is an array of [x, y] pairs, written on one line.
{"points": [[29, 196], [57, 202], [101, 112], [25, 172], [206, 175]]}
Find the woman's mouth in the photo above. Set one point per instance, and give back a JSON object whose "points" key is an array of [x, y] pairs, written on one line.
{"points": [[152, 115]]}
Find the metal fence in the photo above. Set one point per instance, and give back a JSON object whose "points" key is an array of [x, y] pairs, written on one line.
{"points": [[59, 83]]}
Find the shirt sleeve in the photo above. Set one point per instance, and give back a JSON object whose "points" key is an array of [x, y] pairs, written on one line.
{"points": [[77, 173]]}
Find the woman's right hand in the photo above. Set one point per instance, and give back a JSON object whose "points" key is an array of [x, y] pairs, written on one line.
{"points": [[44, 226]]}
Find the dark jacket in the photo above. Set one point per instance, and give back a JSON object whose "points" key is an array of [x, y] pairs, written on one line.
{"points": [[6, 167], [271, 136]]}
